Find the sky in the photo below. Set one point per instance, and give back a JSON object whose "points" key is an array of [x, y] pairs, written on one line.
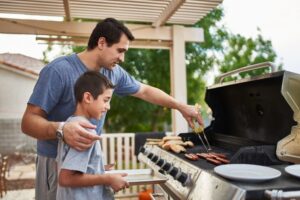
{"points": [[278, 21]]}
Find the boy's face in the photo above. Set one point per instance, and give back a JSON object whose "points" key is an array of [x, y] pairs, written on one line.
{"points": [[98, 107], [114, 54]]}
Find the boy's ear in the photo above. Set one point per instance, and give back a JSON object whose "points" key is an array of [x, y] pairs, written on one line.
{"points": [[87, 97]]}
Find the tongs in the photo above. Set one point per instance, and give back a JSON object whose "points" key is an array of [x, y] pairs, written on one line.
{"points": [[199, 130]]}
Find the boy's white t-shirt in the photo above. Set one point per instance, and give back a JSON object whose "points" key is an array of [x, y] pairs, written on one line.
{"points": [[89, 161]]}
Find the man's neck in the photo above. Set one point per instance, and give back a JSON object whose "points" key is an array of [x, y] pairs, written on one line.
{"points": [[90, 59]]}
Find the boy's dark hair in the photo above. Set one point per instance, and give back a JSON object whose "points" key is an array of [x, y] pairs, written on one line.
{"points": [[92, 82], [111, 29]]}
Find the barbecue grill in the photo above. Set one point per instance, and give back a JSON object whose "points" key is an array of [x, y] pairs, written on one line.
{"points": [[250, 116]]}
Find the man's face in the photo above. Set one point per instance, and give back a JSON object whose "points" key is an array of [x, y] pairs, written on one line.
{"points": [[115, 54]]}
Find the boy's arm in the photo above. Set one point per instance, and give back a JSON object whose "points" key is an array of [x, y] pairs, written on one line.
{"points": [[70, 178]]}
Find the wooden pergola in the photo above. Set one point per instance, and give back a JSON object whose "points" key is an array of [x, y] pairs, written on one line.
{"points": [[157, 24]]}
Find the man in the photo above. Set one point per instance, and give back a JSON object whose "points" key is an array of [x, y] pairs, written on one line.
{"points": [[52, 100]]}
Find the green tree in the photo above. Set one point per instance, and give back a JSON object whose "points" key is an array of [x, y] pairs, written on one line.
{"points": [[240, 51], [130, 114]]}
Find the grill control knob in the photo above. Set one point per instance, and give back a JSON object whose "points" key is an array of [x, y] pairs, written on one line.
{"points": [[166, 167], [161, 162], [143, 150], [162, 171], [185, 179], [150, 155], [174, 172], [154, 158]]}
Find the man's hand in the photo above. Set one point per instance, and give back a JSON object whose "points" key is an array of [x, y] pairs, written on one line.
{"points": [[76, 135], [117, 182], [189, 113]]}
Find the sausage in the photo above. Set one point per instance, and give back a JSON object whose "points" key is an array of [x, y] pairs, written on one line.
{"points": [[220, 155], [188, 156], [191, 157], [205, 155], [223, 160], [194, 156], [202, 155], [214, 161]]}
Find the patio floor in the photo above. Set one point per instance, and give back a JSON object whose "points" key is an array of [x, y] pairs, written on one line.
{"points": [[20, 183], [26, 194]]}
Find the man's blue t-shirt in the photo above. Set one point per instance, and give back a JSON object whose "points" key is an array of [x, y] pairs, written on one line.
{"points": [[54, 93]]}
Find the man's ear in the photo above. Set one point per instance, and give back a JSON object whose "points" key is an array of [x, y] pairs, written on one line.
{"points": [[87, 97], [101, 42]]}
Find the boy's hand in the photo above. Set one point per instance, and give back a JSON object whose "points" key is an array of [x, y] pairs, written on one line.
{"points": [[109, 167], [117, 182], [76, 135]]}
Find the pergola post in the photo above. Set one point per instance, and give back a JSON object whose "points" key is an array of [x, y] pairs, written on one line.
{"points": [[178, 77]]}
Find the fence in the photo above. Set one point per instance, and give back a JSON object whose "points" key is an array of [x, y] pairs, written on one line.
{"points": [[119, 148]]}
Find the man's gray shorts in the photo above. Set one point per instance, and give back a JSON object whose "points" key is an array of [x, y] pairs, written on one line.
{"points": [[46, 178]]}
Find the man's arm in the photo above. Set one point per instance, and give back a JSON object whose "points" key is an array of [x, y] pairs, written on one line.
{"points": [[35, 124], [70, 178], [158, 97]]}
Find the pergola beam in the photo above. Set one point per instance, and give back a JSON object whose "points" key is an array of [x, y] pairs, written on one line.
{"points": [[140, 44], [167, 12], [67, 10], [84, 29]]}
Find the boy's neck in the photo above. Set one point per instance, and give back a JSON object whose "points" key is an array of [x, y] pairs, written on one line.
{"points": [[81, 111]]}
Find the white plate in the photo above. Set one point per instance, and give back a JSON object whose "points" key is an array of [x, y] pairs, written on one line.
{"points": [[140, 176], [293, 170], [247, 172], [130, 171]]}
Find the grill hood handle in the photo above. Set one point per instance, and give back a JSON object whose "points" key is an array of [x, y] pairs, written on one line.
{"points": [[281, 195], [245, 69]]}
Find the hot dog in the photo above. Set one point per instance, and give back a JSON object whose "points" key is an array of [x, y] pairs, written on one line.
{"points": [[214, 158], [223, 160], [214, 161], [191, 156], [194, 156], [220, 155]]}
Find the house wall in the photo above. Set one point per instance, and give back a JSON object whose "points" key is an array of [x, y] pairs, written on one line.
{"points": [[12, 139], [15, 89]]}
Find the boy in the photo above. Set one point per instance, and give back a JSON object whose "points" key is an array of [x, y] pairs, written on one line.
{"points": [[81, 173]]}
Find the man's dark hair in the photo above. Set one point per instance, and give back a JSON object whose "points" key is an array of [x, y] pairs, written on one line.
{"points": [[92, 82], [111, 29]]}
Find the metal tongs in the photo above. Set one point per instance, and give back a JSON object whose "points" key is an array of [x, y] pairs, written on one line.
{"points": [[199, 130]]}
